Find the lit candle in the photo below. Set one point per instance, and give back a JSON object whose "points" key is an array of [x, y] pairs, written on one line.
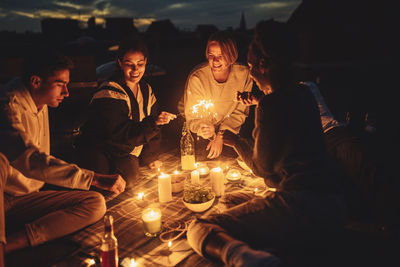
{"points": [[90, 262], [164, 188], [140, 196], [255, 190], [195, 177], [217, 181], [151, 218], [177, 181], [169, 245], [203, 170], [233, 175]]}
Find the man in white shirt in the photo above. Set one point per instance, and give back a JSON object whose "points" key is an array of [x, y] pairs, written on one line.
{"points": [[39, 216]]}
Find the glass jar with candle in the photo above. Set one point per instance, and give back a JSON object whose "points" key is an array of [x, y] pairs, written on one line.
{"points": [[151, 218], [187, 149]]}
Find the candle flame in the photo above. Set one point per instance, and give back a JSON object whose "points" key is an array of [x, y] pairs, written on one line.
{"points": [[90, 262], [169, 244], [176, 172], [133, 263], [255, 190], [140, 196], [217, 169]]}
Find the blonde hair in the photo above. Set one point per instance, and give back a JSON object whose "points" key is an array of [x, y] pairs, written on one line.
{"points": [[228, 46]]}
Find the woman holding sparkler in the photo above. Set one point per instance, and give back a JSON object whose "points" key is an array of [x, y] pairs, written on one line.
{"points": [[123, 123], [210, 92]]}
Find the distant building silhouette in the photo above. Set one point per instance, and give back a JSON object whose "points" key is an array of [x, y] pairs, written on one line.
{"points": [[60, 30], [162, 29], [203, 31], [242, 25], [119, 27]]}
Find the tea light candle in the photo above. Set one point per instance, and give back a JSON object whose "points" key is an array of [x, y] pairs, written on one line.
{"points": [[217, 181], [90, 262], [233, 175], [140, 196], [151, 218], [195, 177], [164, 188]]}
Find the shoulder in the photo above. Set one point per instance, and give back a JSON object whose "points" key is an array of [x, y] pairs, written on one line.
{"points": [[200, 70], [240, 71], [110, 89]]}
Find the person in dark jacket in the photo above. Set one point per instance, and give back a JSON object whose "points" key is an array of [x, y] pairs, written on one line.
{"points": [[290, 154], [123, 124]]}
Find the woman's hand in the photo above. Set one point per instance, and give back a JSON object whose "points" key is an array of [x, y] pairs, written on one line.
{"points": [[165, 118], [206, 130], [215, 147]]}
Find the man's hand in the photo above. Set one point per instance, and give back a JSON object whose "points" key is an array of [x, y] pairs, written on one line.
{"points": [[247, 98], [230, 139], [110, 182], [215, 147], [165, 118], [206, 130]]}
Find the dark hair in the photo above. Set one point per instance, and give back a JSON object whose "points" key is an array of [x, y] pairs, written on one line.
{"points": [[227, 43], [276, 41], [132, 44], [43, 63]]}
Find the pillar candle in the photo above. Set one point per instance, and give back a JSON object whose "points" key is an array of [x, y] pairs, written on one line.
{"points": [[195, 177], [217, 181], [164, 188]]}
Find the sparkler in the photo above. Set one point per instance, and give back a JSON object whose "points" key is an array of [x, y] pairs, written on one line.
{"points": [[204, 109]]}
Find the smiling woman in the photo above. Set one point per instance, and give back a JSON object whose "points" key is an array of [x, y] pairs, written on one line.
{"points": [[217, 80], [123, 125]]}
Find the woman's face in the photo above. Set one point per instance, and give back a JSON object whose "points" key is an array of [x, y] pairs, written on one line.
{"points": [[133, 66], [215, 58]]}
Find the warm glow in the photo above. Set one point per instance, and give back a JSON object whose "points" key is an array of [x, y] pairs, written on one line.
{"points": [[255, 190], [163, 175], [133, 263], [169, 244], [217, 169], [90, 262], [176, 172], [140, 196]]}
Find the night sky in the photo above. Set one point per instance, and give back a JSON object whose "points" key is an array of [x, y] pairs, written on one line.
{"points": [[25, 15]]}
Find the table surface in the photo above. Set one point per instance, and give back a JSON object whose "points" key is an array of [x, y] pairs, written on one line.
{"points": [[126, 209]]}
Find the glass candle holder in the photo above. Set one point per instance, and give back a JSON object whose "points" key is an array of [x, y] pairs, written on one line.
{"points": [[151, 218]]}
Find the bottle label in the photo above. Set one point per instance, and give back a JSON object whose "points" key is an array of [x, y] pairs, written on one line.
{"points": [[109, 258]]}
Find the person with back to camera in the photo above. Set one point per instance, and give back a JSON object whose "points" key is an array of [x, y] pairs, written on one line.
{"points": [[123, 124], [217, 80], [290, 154], [33, 215]]}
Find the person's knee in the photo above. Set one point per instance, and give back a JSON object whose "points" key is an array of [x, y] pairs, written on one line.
{"points": [[96, 205], [198, 231]]}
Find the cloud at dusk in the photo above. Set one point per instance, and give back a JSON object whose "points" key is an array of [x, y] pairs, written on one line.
{"points": [[25, 15]]}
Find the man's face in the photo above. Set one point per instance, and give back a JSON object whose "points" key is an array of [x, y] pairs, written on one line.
{"points": [[52, 90]]}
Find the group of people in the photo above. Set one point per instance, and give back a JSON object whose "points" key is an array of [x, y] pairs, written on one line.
{"points": [[122, 131]]}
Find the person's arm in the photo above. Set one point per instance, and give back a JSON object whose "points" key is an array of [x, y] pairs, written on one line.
{"points": [[194, 92], [108, 120], [240, 113], [17, 145]]}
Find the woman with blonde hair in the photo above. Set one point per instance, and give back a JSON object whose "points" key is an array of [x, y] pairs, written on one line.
{"points": [[217, 80]]}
